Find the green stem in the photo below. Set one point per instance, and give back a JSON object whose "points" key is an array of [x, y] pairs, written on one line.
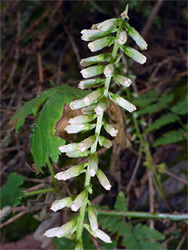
{"points": [[51, 170], [41, 191], [157, 216]]}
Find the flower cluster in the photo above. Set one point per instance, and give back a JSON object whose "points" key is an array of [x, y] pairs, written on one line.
{"points": [[114, 32]]}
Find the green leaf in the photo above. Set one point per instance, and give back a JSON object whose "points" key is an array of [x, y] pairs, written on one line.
{"points": [[145, 232], [11, 193], [163, 120], [146, 99], [181, 107], [121, 203], [44, 143], [152, 108], [169, 137]]}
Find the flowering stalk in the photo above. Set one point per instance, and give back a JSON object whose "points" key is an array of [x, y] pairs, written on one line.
{"points": [[93, 107]]}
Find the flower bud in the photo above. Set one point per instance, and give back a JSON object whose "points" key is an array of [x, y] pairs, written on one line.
{"points": [[93, 96], [124, 81], [92, 71], [110, 129], [73, 129], [67, 228], [51, 232], [103, 141], [122, 38], [59, 204], [92, 60], [91, 35], [71, 172], [136, 37], [69, 147], [103, 179], [77, 203], [134, 54], [81, 119], [89, 110], [92, 218], [103, 236], [107, 24], [78, 153], [91, 83], [87, 143], [108, 70], [77, 104], [101, 107], [93, 164], [122, 102], [101, 43]]}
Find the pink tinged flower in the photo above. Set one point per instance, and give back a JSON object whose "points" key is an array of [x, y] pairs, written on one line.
{"points": [[100, 43], [91, 83], [122, 38], [92, 71], [59, 204], [110, 129], [87, 143], [69, 147], [103, 236], [67, 228], [122, 102], [103, 179], [92, 60], [92, 218], [71, 172], [124, 81], [134, 54], [93, 164], [108, 70], [77, 203], [51, 232], [93, 96]]}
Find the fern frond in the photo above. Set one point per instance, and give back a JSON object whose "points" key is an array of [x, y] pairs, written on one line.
{"points": [[181, 107], [169, 137], [146, 99]]}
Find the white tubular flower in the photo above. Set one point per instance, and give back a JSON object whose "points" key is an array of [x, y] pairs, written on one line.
{"points": [[77, 104], [92, 60], [107, 24], [71, 172], [81, 119], [90, 35], [136, 37], [103, 236], [92, 71], [73, 129], [101, 107], [92, 232], [122, 38], [134, 54], [108, 70], [77, 203], [78, 153], [91, 83], [122, 102], [103, 179], [59, 204], [93, 164], [67, 228], [110, 129], [87, 143], [100, 43], [124, 81], [89, 110], [79, 246], [103, 141], [93, 96], [92, 218], [69, 147], [51, 232]]}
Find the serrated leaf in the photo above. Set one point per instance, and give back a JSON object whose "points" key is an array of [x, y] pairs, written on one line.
{"points": [[162, 121], [152, 108], [11, 192], [44, 143], [169, 137], [146, 99], [166, 98], [145, 232], [121, 203], [181, 107]]}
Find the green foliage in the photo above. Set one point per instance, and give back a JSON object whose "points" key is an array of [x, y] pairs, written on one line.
{"points": [[11, 191], [181, 107], [140, 237], [44, 142], [169, 137]]}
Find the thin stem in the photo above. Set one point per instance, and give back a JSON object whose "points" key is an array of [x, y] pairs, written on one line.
{"points": [[41, 191], [157, 216], [51, 170]]}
